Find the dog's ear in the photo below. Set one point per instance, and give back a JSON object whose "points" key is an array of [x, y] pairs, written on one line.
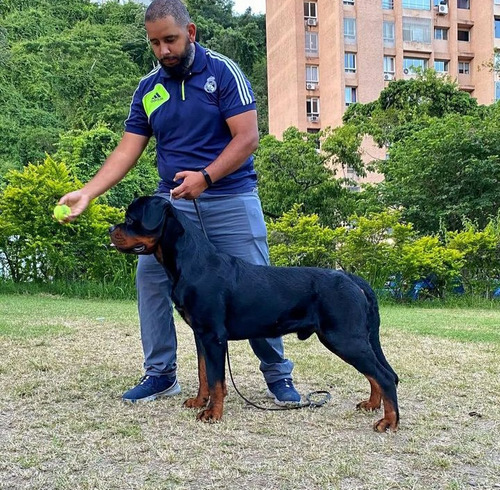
{"points": [[154, 212]]}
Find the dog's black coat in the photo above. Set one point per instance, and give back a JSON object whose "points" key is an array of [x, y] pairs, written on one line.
{"points": [[225, 298]]}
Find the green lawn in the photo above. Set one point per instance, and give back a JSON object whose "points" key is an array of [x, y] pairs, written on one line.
{"points": [[64, 364]]}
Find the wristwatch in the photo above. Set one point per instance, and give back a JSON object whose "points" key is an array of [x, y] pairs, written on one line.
{"points": [[208, 180]]}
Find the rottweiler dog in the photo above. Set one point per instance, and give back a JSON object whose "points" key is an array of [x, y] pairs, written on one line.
{"points": [[225, 298]]}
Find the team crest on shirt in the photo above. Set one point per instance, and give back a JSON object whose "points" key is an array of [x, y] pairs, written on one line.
{"points": [[211, 85]]}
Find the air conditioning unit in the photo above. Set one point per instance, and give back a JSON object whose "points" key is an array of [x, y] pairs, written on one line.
{"points": [[442, 9], [388, 77], [311, 86], [312, 21], [313, 118]]}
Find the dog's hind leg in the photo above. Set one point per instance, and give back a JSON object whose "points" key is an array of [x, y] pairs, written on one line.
{"points": [[203, 396], [375, 400], [359, 354]]}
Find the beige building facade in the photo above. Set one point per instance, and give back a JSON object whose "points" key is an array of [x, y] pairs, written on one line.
{"points": [[325, 54]]}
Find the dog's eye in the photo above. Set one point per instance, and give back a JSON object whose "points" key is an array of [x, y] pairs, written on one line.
{"points": [[128, 221]]}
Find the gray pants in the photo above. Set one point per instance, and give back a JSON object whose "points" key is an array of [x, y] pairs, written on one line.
{"points": [[235, 225]]}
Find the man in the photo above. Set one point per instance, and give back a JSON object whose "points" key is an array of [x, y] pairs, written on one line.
{"points": [[200, 108]]}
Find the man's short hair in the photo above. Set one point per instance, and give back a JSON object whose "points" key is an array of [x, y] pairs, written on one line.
{"points": [[159, 9]]}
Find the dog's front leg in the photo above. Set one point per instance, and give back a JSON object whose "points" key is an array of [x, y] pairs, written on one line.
{"points": [[203, 396], [215, 352]]}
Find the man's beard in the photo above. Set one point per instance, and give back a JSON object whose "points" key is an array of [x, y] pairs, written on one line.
{"points": [[181, 69]]}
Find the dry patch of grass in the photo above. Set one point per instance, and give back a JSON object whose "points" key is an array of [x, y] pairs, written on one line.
{"points": [[62, 424]]}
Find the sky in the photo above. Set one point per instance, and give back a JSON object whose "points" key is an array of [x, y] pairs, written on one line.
{"points": [[258, 6]]}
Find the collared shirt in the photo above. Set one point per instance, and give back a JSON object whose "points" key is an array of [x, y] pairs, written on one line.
{"points": [[188, 118]]}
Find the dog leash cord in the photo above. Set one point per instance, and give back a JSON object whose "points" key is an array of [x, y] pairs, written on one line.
{"points": [[195, 202], [308, 403]]}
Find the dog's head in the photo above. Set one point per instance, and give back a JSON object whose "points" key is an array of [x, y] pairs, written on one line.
{"points": [[143, 227]]}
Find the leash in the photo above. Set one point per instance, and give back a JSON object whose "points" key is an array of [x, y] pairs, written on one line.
{"points": [[309, 402], [199, 218]]}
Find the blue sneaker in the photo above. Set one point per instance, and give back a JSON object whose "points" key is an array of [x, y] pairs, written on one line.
{"points": [[152, 387], [283, 392]]}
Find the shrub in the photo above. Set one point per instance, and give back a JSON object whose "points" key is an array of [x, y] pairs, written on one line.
{"points": [[34, 247], [296, 239], [480, 271]]}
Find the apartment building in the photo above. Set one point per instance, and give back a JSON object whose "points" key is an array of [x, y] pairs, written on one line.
{"points": [[326, 54]]}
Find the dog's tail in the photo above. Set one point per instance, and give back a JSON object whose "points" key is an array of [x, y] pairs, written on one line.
{"points": [[373, 322]]}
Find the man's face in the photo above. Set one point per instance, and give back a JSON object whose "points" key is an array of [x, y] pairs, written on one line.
{"points": [[169, 41]]}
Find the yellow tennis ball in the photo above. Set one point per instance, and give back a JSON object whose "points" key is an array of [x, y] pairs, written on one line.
{"points": [[61, 212]]}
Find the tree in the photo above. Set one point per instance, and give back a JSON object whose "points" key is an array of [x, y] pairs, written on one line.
{"points": [[407, 105], [295, 171], [446, 173]]}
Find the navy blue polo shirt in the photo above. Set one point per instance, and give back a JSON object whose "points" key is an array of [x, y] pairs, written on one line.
{"points": [[188, 118]]}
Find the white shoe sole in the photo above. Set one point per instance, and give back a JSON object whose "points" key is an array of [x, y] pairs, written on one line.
{"points": [[280, 403], [173, 390]]}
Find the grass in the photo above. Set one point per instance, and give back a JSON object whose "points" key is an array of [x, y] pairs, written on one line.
{"points": [[65, 362]]}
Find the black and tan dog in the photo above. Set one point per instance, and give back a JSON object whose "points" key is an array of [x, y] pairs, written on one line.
{"points": [[225, 298]]}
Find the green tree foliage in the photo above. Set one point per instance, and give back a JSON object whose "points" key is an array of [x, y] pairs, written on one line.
{"points": [[35, 247], [294, 171], [406, 105], [296, 239], [446, 173], [84, 151], [67, 65]]}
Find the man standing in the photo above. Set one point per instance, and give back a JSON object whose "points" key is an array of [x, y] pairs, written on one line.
{"points": [[201, 110]]}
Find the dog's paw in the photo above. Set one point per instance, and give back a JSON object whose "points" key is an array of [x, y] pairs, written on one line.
{"points": [[210, 415], [197, 402], [367, 406], [384, 425]]}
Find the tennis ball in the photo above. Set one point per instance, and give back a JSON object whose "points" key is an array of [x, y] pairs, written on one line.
{"points": [[61, 212]]}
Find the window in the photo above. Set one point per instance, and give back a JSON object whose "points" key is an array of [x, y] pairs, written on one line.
{"points": [[350, 62], [463, 4], [497, 2], [389, 67], [312, 106], [310, 9], [464, 67], [349, 30], [497, 88], [441, 33], [496, 60], [411, 65], [441, 66], [416, 30], [464, 35], [351, 2], [311, 43], [387, 4], [497, 27], [350, 96], [417, 4], [312, 74], [388, 27]]}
